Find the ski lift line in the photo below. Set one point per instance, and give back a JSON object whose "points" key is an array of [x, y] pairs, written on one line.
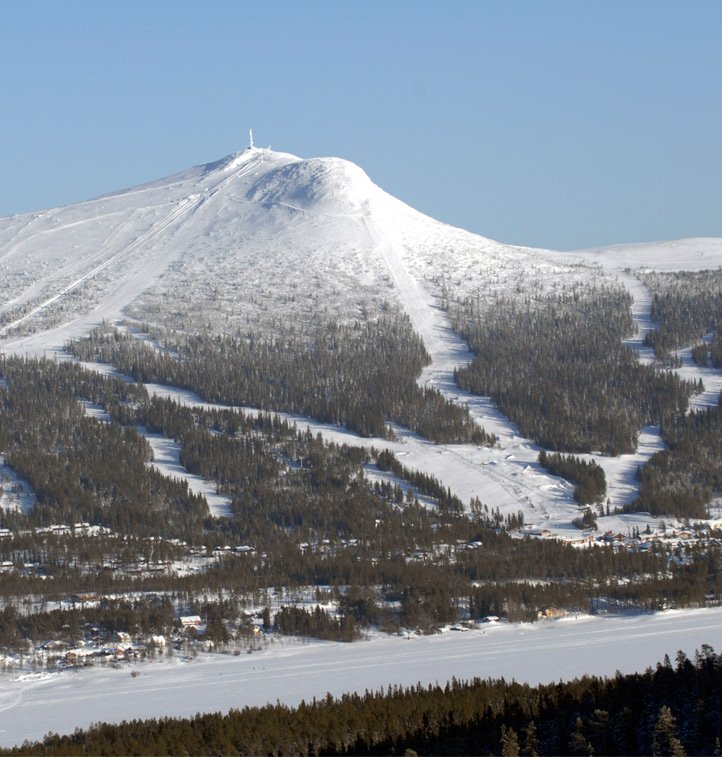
{"points": [[183, 207], [216, 188]]}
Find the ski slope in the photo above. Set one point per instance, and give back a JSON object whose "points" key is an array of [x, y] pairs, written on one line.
{"points": [[261, 240]]}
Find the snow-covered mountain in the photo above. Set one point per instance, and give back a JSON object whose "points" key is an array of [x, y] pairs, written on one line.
{"points": [[257, 239], [248, 241], [266, 241]]}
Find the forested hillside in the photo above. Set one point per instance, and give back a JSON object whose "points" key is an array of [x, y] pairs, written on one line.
{"points": [[684, 478], [303, 508], [362, 376], [686, 307], [557, 367]]}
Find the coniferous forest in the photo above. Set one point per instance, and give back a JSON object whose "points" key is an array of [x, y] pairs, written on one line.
{"points": [[587, 476], [400, 552], [686, 306], [302, 514], [667, 710], [687, 475], [362, 376], [557, 367]]}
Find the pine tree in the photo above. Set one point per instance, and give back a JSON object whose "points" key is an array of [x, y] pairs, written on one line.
{"points": [[509, 742], [578, 743], [531, 741], [665, 735]]}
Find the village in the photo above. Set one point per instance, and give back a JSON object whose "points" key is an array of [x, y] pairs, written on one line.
{"points": [[125, 627]]}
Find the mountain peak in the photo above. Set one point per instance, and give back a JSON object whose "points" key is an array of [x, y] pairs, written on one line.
{"points": [[245, 157], [322, 184], [256, 240]]}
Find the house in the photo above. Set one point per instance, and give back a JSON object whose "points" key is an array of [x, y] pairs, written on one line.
{"points": [[87, 599], [552, 612]]}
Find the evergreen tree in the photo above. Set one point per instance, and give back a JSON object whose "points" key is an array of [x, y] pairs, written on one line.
{"points": [[509, 742], [665, 735]]}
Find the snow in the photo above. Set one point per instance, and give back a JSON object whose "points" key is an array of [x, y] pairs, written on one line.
{"points": [[547, 651], [15, 493], [695, 254], [642, 314], [166, 460]]}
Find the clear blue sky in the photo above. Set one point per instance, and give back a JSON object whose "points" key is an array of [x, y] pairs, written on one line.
{"points": [[557, 124]]}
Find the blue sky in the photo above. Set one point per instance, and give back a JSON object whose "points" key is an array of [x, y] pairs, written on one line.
{"points": [[550, 124]]}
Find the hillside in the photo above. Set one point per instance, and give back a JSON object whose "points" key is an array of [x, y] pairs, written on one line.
{"points": [[257, 240], [269, 244]]}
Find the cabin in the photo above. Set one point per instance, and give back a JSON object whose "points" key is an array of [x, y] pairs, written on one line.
{"points": [[552, 612]]}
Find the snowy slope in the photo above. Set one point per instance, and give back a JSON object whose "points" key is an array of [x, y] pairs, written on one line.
{"points": [[255, 237], [262, 238], [695, 254]]}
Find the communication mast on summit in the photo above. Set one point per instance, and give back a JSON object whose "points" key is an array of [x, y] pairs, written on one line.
{"points": [[250, 138]]}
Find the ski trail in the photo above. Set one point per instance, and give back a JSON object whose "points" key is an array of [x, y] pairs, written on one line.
{"points": [[710, 377], [166, 460], [642, 316], [446, 348], [689, 371], [179, 210], [621, 471], [447, 351]]}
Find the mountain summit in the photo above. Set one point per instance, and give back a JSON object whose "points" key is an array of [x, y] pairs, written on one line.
{"points": [[259, 240], [256, 240]]}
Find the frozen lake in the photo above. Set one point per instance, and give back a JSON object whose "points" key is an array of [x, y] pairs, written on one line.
{"points": [[31, 705]]}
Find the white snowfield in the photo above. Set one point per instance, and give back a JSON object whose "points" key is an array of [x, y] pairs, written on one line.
{"points": [[548, 651]]}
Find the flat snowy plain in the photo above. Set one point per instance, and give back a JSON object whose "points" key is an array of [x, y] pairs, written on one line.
{"points": [[548, 651]]}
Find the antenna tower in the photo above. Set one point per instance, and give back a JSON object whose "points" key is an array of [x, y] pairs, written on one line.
{"points": [[250, 138]]}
